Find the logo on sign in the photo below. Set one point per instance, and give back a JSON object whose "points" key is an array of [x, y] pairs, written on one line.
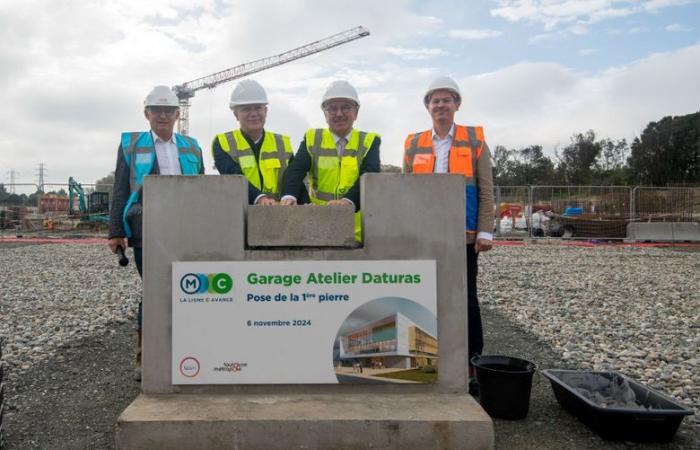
{"points": [[189, 367], [201, 283]]}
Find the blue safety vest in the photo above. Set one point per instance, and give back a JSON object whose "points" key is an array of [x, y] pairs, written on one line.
{"points": [[140, 155]]}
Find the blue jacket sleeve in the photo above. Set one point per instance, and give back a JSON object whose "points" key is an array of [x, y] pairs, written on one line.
{"points": [[120, 195]]}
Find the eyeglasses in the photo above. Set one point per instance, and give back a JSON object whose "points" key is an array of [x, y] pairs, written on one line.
{"points": [[247, 109], [158, 110], [345, 108], [435, 101]]}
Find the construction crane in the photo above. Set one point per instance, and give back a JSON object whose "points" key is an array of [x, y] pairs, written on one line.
{"points": [[186, 90]]}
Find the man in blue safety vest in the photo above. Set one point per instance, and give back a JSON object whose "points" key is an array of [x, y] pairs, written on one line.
{"points": [[158, 151]]}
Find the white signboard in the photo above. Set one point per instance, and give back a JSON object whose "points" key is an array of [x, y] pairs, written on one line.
{"points": [[300, 321]]}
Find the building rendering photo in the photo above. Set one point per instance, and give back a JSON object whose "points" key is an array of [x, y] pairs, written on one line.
{"points": [[394, 341]]}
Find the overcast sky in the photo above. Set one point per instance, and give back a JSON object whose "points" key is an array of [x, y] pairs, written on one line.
{"points": [[75, 73]]}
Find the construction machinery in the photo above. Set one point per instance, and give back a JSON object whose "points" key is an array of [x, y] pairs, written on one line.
{"points": [[186, 90], [92, 209]]}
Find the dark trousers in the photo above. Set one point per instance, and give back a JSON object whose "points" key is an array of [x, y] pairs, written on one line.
{"points": [[138, 260], [475, 331]]}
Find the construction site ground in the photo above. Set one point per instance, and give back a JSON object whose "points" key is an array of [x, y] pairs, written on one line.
{"points": [[55, 403]]}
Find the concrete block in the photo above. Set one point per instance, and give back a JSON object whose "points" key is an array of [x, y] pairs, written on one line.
{"points": [[405, 217], [664, 231], [200, 218], [301, 226], [423, 217], [315, 421], [686, 231]]}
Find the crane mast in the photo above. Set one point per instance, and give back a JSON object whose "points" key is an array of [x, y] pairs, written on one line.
{"points": [[186, 90]]}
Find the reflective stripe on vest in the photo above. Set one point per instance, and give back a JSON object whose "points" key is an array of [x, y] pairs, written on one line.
{"points": [[140, 155], [331, 176], [275, 152], [465, 152]]}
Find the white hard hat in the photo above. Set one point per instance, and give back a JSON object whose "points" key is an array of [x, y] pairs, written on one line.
{"points": [[340, 89], [248, 92], [161, 96], [445, 83]]}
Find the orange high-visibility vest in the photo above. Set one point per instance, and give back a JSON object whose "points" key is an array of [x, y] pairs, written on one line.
{"points": [[467, 144]]}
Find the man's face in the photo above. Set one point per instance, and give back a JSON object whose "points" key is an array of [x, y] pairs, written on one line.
{"points": [[251, 118], [162, 119], [442, 106], [340, 116]]}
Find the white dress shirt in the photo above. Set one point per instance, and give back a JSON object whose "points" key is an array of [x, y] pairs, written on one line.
{"points": [[166, 153], [442, 150], [442, 158]]}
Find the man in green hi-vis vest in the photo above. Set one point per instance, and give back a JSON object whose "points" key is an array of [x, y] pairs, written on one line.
{"points": [[259, 155], [335, 157]]}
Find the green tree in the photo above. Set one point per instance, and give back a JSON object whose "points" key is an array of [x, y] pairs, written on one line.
{"points": [[668, 151], [502, 166], [526, 166], [577, 162], [611, 167]]}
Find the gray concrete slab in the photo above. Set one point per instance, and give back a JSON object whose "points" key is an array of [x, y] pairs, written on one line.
{"points": [[423, 217], [686, 232], [301, 226], [315, 421], [664, 231], [198, 218], [404, 217]]}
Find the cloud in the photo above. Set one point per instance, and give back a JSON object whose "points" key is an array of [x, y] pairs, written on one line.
{"points": [[415, 54], [544, 103], [474, 34], [587, 51], [70, 92], [678, 28], [553, 13]]}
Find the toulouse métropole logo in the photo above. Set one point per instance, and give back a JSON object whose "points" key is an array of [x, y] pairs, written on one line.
{"points": [[201, 283]]}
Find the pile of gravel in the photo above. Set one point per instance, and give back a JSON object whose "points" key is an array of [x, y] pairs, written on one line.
{"points": [[631, 309], [53, 295]]}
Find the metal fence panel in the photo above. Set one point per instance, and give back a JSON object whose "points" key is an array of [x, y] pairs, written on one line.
{"points": [[512, 214], [671, 204], [585, 212]]}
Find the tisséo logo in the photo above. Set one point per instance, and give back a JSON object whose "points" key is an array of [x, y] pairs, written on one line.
{"points": [[200, 283], [189, 367]]}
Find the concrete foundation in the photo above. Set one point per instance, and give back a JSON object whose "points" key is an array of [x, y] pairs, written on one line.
{"points": [[206, 218], [317, 421]]}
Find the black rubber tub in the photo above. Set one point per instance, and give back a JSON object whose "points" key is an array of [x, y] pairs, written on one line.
{"points": [[649, 416]]}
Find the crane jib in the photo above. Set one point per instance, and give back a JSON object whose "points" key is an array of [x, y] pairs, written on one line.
{"points": [[186, 90]]}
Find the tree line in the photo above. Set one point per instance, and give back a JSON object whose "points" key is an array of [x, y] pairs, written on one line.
{"points": [[666, 153]]}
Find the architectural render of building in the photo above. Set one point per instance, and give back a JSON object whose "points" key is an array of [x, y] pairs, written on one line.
{"points": [[392, 342]]}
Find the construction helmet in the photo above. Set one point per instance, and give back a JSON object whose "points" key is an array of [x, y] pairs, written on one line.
{"points": [[248, 92], [340, 89], [445, 83], [161, 96]]}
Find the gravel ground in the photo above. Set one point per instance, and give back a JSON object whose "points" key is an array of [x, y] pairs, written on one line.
{"points": [[69, 345]]}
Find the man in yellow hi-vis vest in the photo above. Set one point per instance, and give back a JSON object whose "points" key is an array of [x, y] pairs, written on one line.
{"points": [[334, 157], [261, 156]]}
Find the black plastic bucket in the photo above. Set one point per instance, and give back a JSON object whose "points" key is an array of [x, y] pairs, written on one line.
{"points": [[504, 385]]}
